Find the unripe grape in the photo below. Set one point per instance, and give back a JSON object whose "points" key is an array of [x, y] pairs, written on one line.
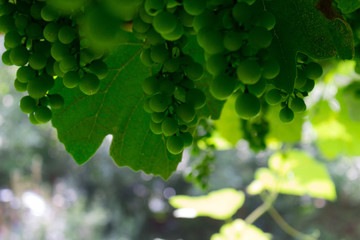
{"points": [[147, 107], [233, 40], [273, 96], [144, 15], [300, 80], [258, 88], [169, 126], [99, 68], [286, 115], [309, 86], [159, 54], [212, 41], [165, 22], [27, 104], [248, 71], [266, 20], [89, 84], [49, 14], [154, 38], [186, 112], [25, 74], [37, 61], [34, 31], [313, 70], [152, 7], [204, 20], [32, 119], [12, 39], [222, 86], [247, 105], [59, 51], [68, 63], [171, 65], [157, 117], [21, 21], [167, 87], [56, 101], [159, 102], [71, 79], [196, 98], [216, 64], [194, 7], [187, 139], [19, 56], [193, 71], [155, 127], [186, 19], [35, 10], [43, 114], [259, 37], [5, 57], [151, 85], [145, 58], [51, 31], [66, 34], [6, 23], [298, 105], [176, 34], [140, 26], [57, 69], [242, 13], [19, 86], [271, 69], [175, 145]]}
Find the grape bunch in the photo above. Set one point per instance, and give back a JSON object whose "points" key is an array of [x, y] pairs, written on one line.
{"points": [[307, 72], [45, 44], [173, 100], [235, 38]]}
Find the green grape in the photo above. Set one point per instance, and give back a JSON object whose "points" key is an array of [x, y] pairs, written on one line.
{"points": [[196, 98], [42, 47], [180, 94], [159, 102], [204, 20], [99, 68], [273, 96], [171, 65], [313, 70], [165, 22], [159, 53], [248, 71], [6, 23], [157, 117], [19, 56], [7, 8], [233, 40], [309, 86], [286, 115], [227, 19], [34, 31], [193, 71], [167, 87], [51, 31], [68, 63], [169, 126], [35, 10], [260, 37], [258, 88], [71, 79], [5, 57], [89, 84], [25, 74], [86, 57], [44, 101], [56, 101], [140, 26], [247, 105], [222, 86], [242, 13], [27, 104], [49, 68], [59, 51], [49, 14], [186, 19], [266, 20], [298, 105], [175, 144], [186, 112], [145, 57], [12, 39], [57, 70], [155, 127], [151, 85], [21, 21], [144, 15], [32, 119], [154, 38], [176, 34], [43, 114], [147, 106], [300, 79], [19, 86], [187, 138], [212, 41], [153, 7], [66, 34], [37, 61], [36, 88], [194, 7], [271, 69], [216, 64]]}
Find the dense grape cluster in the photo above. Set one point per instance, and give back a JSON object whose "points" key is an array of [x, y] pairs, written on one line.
{"points": [[173, 100], [45, 44]]}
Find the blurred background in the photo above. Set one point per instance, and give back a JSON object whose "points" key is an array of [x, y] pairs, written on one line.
{"points": [[44, 194]]}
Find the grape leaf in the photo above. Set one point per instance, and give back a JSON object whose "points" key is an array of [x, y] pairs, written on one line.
{"points": [[301, 27], [220, 204], [117, 109], [348, 6]]}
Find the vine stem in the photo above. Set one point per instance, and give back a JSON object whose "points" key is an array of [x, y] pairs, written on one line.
{"points": [[286, 227], [263, 208]]}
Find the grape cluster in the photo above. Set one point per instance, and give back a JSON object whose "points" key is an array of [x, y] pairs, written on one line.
{"points": [[235, 38], [46, 46], [307, 72], [173, 100]]}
